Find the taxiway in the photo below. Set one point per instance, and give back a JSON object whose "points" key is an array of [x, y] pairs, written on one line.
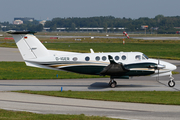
{"points": [[55, 105]]}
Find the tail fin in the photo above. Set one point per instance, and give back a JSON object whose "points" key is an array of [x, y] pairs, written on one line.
{"points": [[29, 46]]}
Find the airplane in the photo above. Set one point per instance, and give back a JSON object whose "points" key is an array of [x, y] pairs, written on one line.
{"points": [[117, 65]]}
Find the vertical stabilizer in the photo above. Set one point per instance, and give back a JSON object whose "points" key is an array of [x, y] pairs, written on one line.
{"points": [[29, 46]]}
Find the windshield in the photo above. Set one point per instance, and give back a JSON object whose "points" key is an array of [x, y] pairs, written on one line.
{"points": [[145, 56]]}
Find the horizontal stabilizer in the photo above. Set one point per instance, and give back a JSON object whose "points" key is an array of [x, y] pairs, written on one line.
{"points": [[20, 32]]}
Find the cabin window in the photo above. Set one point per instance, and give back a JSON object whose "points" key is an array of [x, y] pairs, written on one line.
{"points": [[87, 58], [97, 58], [116, 57], [138, 57], [104, 58], [75, 58], [123, 57], [145, 56]]}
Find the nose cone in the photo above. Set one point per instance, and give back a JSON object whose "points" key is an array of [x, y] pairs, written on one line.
{"points": [[168, 66], [173, 67]]}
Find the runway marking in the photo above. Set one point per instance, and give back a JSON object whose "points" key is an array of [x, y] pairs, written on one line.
{"points": [[75, 106]]}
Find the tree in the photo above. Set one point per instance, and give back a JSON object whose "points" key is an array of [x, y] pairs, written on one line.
{"points": [[73, 27], [53, 28]]}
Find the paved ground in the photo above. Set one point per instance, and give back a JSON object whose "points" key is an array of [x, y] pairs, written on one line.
{"points": [[135, 84], [55, 105], [10, 54]]}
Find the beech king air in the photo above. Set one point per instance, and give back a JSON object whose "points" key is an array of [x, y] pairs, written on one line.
{"points": [[117, 65]]}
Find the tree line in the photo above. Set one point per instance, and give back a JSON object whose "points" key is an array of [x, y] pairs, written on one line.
{"points": [[159, 23]]}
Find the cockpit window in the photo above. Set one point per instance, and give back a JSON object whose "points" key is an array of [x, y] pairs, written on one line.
{"points": [[138, 57], [145, 56]]}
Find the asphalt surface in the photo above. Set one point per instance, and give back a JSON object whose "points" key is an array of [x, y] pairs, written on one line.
{"points": [[10, 54], [55, 105], [94, 84]]}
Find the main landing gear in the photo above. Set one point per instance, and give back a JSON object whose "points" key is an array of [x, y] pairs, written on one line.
{"points": [[171, 82], [112, 83]]}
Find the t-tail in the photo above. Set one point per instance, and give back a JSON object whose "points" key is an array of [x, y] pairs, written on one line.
{"points": [[29, 46]]}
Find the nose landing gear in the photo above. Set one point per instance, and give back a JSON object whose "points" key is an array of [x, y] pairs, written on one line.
{"points": [[171, 82]]}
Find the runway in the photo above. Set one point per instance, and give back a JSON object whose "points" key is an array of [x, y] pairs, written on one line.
{"points": [[55, 105]]}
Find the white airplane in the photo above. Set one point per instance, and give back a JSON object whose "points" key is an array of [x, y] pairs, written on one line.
{"points": [[117, 65]]}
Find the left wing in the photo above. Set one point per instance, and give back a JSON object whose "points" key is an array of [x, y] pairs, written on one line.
{"points": [[114, 69]]}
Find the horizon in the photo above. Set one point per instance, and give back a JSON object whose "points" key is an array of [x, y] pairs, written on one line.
{"points": [[45, 9], [88, 17]]}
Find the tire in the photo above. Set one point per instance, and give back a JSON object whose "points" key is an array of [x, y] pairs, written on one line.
{"points": [[171, 83], [113, 84]]}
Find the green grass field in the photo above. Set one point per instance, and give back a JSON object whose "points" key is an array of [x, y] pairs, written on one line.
{"points": [[151, 97], [155, 49], [18, 70]]}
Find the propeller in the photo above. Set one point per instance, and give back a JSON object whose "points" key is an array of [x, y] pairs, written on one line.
{"points": [[159, 66]]}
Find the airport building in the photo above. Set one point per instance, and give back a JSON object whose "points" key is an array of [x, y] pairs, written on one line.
{"points": [[17, 22], [20, 20], [85, 29]]}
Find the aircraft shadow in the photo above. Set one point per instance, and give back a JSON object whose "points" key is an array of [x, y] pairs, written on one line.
{"points": [[104, 85]]}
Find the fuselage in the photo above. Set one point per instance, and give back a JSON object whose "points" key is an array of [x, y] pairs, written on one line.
{"points": [[93, 63], [114, 64]]}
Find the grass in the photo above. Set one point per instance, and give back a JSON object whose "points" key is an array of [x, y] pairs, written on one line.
{"points": [[154, 49], [18, 70], [16, 115], [151, 97]]}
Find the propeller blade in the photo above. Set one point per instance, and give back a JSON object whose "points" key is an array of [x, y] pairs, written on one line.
{"points": [[158, 74], [158, 66]]}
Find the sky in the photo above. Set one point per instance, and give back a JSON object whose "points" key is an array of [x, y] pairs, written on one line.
{"points": [[49, 9]]}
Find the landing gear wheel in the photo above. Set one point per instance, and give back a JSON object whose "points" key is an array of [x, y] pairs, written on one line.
{"points": [[113, 85], [115, 82], [171, 83]]}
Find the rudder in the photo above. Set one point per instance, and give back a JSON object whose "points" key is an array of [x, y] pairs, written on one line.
{"points": [[29, 46]]}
